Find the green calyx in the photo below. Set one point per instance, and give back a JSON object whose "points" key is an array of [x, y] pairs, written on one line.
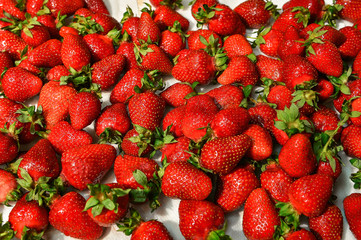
{"points": [[303, 16], [260, 36], [128, 225], [172, 4], [6, 233], [330, 14], [177, 28], [272, 8], [340, 83], [305, 94], [313, 37], [44, 10], [282, 230], [291, 216], [104, 197], [142, 50], [150, 81], [31, 115], [356, 177], [31, 234], [12, 131], [86, 25], [127, 14], [219, 234], [143, 139], [111, 136], [148, 9], [18, 26], [203, 15]]}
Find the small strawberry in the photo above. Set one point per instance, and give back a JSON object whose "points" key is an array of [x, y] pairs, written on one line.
{"points": [[9, 191], [47, 54], [174, 119], [130, 24], [292, 43], [165, 16], [198, 5], [254, 13], [235, 187], [261, 146], [351, 47], [97, 6], [55, 73], [325, 119], [98, 159], [227, 96], [350, 140], [325, 167], [325, 89], [281, 96], [67, 215], [352, 207], [173, 40], [195, 42], [178, 151], [74, 52]]}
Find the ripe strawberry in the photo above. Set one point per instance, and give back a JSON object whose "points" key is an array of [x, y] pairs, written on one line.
{"points": [[240, 69], [174, 118], [148, 29], [230, 122], [107, 22], [253, 13], [173, 40], [350, 11], [49, 22], [351, 47], [295, 16], [40, 161], [281, 96], [235, 187], [200, 219], [355, 90], [47, 54], [165, 16], [314, 6], [65, 7], [276, 182], [20, 85], [67, 215], [263, 115], [158, 3], [176, 93], [9, 191], [107, 71], [125, 166], [12, 44], [130, 24], [136, 143], [5, 61], [12, 7], [261, 146], [54, 99], [324, 89], [64, 137], [178, 151], [198, 5], [227, 96], [296, 156], [29, 215], [8, 148], [269, 40], [194, 39], [301, 234], [98, 159], [184, 181], [152, 57], [333, 35], [352, 207], [146, 110], [259, 216], [223, 154], [55, 73], [100, 46], [65, 30], [97, 6], [107, 214], [329, 225], [127, 50], [37, 36], [200, 111], [325, 119], [324, 167], [292, 43], [84, 108], [74, 52], [196, 66], [237, 45], [114, 118], [351, 140]]}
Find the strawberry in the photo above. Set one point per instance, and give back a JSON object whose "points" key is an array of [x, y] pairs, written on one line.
{"points": [[55, 73], [325, 167], [47, 54], [174, 119], [230, 122], [148, 29], [64, 137], [324, 89], [301, 234], [65, 30], [26, 217], [235, 187], [178, 151], [98, 159], [199, 112], [12, 7], [146, 110], [329, 225], [165, 16], [20, 85], [200, 219], [292, 43], [281, 96], [262, 114], [5, 61], [49, 22], [97, 6], [223, 154], [259, 216], [352, 207], [40, 161], [67, 215], [9, 191], [333, 35], [84, 108], [36, 36], [194, 39], [25, 64], [130, 24], [351, 47], [296, 157], [127, 50], [12, 44], [253, 13], [136, 142], [107, 214], [294, 16], [351, 141], [355, 90], [184, 181], [356, 106], [54, 99], [277, 182], [261, 146], [269, 40], [198, 5], [157, 3], [237, 45], [239, 70], [106, 22], [74, 52], [176, 94], [314, 6], [350, 8], [325, 119], [114, 118], [173, 40], [65, 7], [196, 66], [8, 148], [100, 46], [107, 71], [227, 96], [152, 57]]}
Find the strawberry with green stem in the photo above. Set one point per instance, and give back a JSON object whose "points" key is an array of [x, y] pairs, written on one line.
{"points": [[9, 146], [330, 14], [165, 16], [11, 189], [173, 40]]}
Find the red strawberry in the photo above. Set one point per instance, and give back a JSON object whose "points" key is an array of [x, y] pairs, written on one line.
{"points": [[240, 69], [47, 54], [333, 35], [12, 44], [67, 215], [100, 46], [153, 57], [49, 22], [29, 215], [12, 7], [178, 151], [350, 9], [259, 216], [74, 52], [147, 28], [355, 89], [253, 13], [262, 114], [261, 146], [65, 7], [296, 156], [198, 5], [295, 16], [125, 166], [40, 161], [200, 219], [194, 39], [184, 181], [301, 234], [20, 85], [8, 148], [57, 72], [235, 187], [324, 89], [165, 16], [87, 164], [351, 47], [54, 99], [107, 22], [64, 30], [324, 167], [227, 96], [5, 61], [127, 50], [314, 6], [173, 40], [351, 140], [352, 207], [269, 41], [199, 112], [9, 190], [64, 137], [107, 214], [37, 36], [292, 43], [130, 24], [176, 93], [237, 45], [97, 6], [329, 225], [146, 110], [136, 143], [84, 108], [25, 64], [223, 154], [230, 122], [276, 182], [174, 118], [107, 71], [281, 96], [325, 119]]}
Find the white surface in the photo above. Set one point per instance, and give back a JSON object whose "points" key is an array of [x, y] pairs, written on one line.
{"points": [[168, 212]]}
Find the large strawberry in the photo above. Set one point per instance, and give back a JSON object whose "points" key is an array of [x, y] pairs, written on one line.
{"points": [[47, 54], [100, 46], [87, 164], [352, 207], [65, 7], [147, 29], [350, 140], [237, 45], [350, 9], [173, 40], [12, 44], [74, 52]]}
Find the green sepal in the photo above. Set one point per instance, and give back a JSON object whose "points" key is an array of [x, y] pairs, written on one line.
{"points": [[272, 8], [143, 140], [127, 14], [172, 4], [140, 51], [331, 13], [162, 138], [82, 80], [303, 16], [44, 10], [6, 233], [177, 28], [148, 9], [219, 234], [60, 20], [12, 131], [203, 15], [31, 115], [340, 83], [86, 25], [110, 136], [259, 39], [116, 36], [281, 230], [128, 225], [31, 234], [356, 179], [291, 216]]}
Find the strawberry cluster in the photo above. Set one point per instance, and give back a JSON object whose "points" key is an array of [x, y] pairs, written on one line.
{"points": [[267, 136]]}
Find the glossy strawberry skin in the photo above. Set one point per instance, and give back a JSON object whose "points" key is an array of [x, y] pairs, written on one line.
{"points": [[171, 43], [114, 117], [9, 183], [5, 61], [301, 234], [67, 7], [227, 96], [148, 28], [237, 45], [47, 54], [151, 230], [261, 147], [253, 13], [174, 118], [178, 151], [350, 140], [97, 6], [350, 10], [131, 148], [194, 42], [100, 46], [165, 16], [12, 44], [352, 207], [156, 59], [175, 94], [74, 52], [269, 68]]}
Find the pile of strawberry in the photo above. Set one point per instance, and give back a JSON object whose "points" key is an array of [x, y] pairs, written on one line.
{"points": [[220, 149]]}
